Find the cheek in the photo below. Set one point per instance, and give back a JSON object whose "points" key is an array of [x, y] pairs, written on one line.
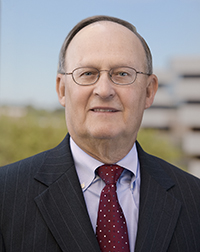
{"points": [[76, 99], [134, 104]]}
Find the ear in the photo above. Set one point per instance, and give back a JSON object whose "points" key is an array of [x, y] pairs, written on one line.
{"points": [[60, 88], [152, 87]]}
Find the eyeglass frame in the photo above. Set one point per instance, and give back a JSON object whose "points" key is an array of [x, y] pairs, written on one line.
{"points": [[110, 76]]}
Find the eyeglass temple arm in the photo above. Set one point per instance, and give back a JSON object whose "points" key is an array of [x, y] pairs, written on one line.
{"points": [[65, 73], [143, 73]]}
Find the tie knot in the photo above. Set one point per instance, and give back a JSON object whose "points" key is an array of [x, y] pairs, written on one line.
{"points": [[109, 173]]}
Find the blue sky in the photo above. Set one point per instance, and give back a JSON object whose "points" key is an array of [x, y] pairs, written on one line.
{"points": [[32, 32]]}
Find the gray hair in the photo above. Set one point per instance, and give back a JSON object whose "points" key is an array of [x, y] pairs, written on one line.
{"points": [[90, 20]]}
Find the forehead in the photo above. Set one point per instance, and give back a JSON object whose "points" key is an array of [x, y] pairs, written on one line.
{"points": [[103, 26], [106, 38]]}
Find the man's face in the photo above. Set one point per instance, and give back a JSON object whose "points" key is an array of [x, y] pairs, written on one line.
{"points": [[105, 110]]}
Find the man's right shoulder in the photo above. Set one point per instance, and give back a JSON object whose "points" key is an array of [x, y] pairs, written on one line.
{"points": [[34, 163]]}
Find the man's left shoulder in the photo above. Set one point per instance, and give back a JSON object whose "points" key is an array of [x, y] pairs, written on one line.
{"points": [[157, 163], [185, 184], [163, 170]]}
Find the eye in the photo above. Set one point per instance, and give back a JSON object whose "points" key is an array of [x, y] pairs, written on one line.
{"points": [[122, 74], [87, 73], [84, 73]]}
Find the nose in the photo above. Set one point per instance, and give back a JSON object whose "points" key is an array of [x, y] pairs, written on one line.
{"points": [[104, 87]]}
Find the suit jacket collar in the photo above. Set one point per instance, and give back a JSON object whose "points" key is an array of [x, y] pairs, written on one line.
{"points": [[63, 207]]}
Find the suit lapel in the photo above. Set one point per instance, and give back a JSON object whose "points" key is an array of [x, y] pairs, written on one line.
{"points": [[159, 210], [62, 204]]}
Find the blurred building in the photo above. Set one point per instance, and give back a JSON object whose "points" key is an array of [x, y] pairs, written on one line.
{"points": [[176, 109]]}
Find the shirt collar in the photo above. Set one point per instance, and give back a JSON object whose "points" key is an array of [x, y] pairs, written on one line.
{"points": [[86, 165]]}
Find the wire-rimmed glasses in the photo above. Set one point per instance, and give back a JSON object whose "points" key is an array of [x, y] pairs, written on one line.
{"points": [[122, 75]]}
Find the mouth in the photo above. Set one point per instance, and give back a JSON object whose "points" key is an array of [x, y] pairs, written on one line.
{"points": [[107, 110]]}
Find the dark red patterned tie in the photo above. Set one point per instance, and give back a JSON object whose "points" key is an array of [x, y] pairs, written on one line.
{"points": [[111, 230]]}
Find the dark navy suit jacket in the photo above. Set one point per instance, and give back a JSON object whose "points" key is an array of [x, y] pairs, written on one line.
{"points": [[42, 208]]}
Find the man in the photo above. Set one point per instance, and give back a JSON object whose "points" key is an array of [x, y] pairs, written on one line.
{"points": [[52, 201]]}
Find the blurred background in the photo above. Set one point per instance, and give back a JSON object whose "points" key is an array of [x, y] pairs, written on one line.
{"points": [[31, 34]]}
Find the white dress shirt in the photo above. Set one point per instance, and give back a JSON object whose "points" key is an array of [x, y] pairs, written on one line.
{"points": [[128, 186]]}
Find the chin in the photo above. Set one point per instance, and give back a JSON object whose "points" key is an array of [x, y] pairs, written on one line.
{"points": [[104, 135]]}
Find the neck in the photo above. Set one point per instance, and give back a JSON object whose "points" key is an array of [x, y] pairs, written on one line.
{"points": [[107, 151]]}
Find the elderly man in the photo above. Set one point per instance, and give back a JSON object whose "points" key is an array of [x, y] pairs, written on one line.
{"points": [[98, 190]]}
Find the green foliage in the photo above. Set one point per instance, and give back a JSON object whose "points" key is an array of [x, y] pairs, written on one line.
{"points": [[39, 130], [28, 135], [161, 145]]}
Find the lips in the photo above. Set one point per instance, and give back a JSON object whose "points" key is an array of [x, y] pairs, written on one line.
{"points": [[105, 110]]}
